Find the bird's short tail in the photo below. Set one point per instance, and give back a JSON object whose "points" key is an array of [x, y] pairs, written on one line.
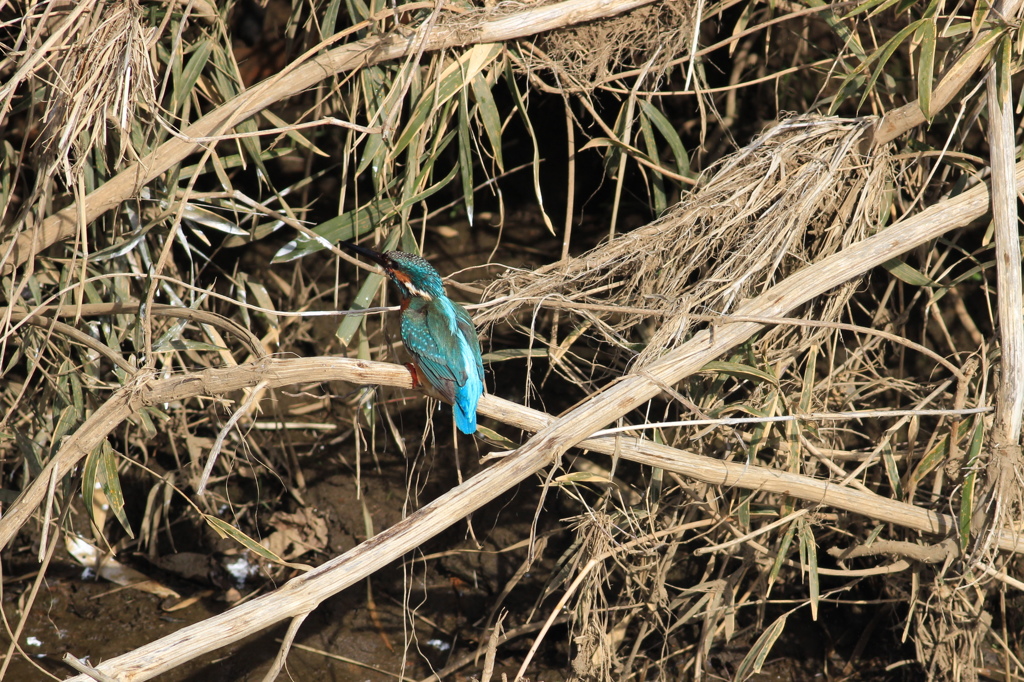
{"points": [[466, 399], [465, 419]]}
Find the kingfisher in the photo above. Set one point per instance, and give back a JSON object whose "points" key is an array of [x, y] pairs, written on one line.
{"points": [[437, 331]]}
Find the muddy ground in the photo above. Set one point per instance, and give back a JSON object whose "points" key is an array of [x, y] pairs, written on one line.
{"points": [[362, 634]]}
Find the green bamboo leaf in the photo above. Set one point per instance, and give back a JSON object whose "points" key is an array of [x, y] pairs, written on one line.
{"points": [[144, 418], [891, 470], [111, 483], [495, 438], [759, 436], [743, 512], [517, 98], [214, 221], [577, 477], [611, 160], [1002, 58], [90, 479], [250, 142], [466, 155], [296, 135], [13, 360], [847, 37], [935, 456], [31, 451], [454, 78], [966, 514], [230, 161], [856, 80], [881, 6], [487, 110], [908, 274], [660, 200], [419, 167], [810, 363], [956, 29], [752, 662], [352, 323], [883, 55], [358, 10], [65, 423], [980, 15], [346, 227], [741, 25], [429, 162], [514, 354], [926, 68], [184, 86], [668, 131], [223, 181], [77, 396], [809, 560], [170, 339], [330, 20], [780, 555], [383, 100], [172, 344], [226, 530], [739, 370], [263, 300], [873, 535], [64, 374]]}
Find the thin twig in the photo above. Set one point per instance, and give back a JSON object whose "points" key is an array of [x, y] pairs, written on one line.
{"points": [[813, 416]]}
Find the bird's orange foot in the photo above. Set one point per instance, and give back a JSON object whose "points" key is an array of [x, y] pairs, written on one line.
{"points": [[417, 377]]}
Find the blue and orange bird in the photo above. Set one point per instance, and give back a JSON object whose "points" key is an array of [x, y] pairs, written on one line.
{"points": [[437, 331]]}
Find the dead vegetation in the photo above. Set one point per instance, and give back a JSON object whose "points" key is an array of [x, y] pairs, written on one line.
{"points": [[811, 352]]}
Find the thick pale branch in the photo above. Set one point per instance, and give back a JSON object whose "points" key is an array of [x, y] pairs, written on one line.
{"points": [[144, 391], [294, 79]]}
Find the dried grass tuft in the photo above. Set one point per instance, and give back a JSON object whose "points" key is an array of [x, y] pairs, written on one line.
{"points": [[798, 193], [586, 55], [99, 81], [951, 627]]}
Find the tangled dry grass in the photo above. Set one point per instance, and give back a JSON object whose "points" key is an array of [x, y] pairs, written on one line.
{"points": [[800, 192], [105, 78], [582, 57]]}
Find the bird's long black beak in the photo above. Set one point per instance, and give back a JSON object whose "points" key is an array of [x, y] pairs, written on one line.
{"points": [[369, 253]]}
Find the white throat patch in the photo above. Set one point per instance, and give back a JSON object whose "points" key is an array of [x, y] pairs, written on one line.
{"points": [[418, 292]]}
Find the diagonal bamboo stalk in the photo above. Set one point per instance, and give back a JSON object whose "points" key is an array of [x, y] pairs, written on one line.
{"points": [[304, 593], [907, 117]]}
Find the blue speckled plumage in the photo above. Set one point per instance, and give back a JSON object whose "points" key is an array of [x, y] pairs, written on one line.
{"points": [[437, 331]]}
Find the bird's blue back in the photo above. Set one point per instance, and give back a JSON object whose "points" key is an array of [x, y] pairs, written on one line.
{"points": [[440, 335]]}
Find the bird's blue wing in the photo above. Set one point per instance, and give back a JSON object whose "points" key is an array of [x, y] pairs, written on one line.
{"points": [[468, 394], [441, 337]]}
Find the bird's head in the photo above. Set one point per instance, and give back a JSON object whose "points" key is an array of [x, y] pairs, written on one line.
{"points": [[413, 276]]}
